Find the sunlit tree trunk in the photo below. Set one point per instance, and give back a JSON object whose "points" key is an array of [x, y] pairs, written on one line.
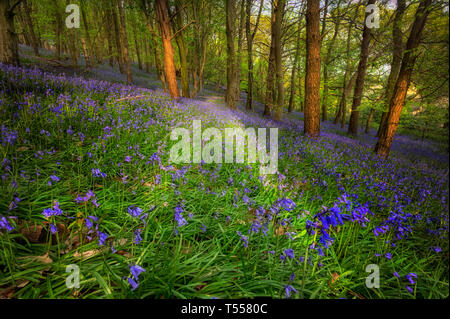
{"points": [[156, 51], [397, 53], [312, 79], [397, 101], [169, 65]]}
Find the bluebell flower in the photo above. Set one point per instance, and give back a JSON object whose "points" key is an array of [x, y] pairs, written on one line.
{"points": [[288, 289]]}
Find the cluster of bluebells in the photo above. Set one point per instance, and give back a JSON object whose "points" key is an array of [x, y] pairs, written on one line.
{"points": [[329, 218], [5, 223], [92, 226], [89, 196], [179, 219], [135, 270], [48, 213], [97, 173]]}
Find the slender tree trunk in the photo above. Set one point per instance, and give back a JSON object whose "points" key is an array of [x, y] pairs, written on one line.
{"points": [[359, 85], [147, 56], [9, 46], [312, 79], [156, 51], [270, 88], [239, 51], [117, 38], [300, 95], [397, 101], [86, 42], [279, 12], [231, 54], [125, 42], [169, 65], [346, 91], [182, 51], [108, 28], [34, 41], [346, 88], [250, 37], [294, 66], [136, 43], [369, 119], [397, 53], [326, 65]]}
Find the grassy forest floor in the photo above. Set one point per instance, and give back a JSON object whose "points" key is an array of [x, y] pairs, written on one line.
{"points": [[86, 180]]}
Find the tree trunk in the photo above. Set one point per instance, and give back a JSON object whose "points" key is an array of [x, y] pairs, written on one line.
{"points": [[182, 50], [125, 42], [312, 79], [397, 101], [279, 12], [231, 55], [369, 119], [239, 51], [9, 46], [34, 41], [136, 44], [270, 88], [157, 55], [117, 38], [397, 53], [250, 36], [359, 85], [294, 66], [87, 45], [108, 28], [169, 65], [326, 64], [346, 88]]}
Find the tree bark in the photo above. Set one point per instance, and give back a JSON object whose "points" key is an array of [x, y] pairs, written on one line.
{"points": [[312, 79], [182, 51], [397, 53], [231, 54], [136, 44], [239, 51], [270, 88], [169, 65], [29, 22], [326, 65], [279, 12], [250, 37], [359, 85], [87, 44], [294, 66], [117, 38], [157, 54], [9, 46], [125, 42], [397, 101]]}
